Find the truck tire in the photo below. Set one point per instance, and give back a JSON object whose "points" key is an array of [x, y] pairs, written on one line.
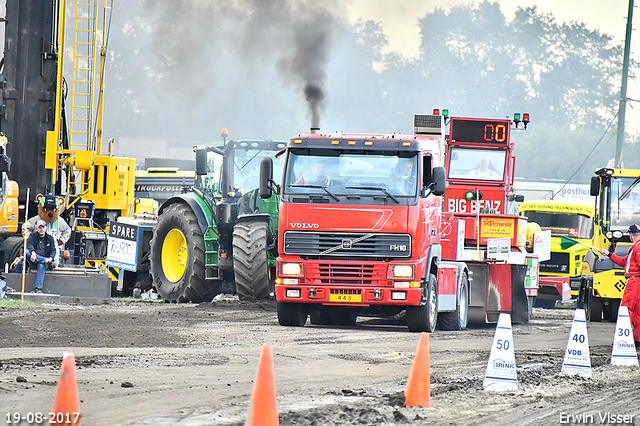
{"points": [[594, 308], [321, 317], [12, 247], [177, 257], [292, 314], [250, 266], [425, 317], [545, 303], [342, 316], [457, 320], [614, 306]]}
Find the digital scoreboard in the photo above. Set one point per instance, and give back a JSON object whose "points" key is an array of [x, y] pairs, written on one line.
{"points": [[480, 131]]}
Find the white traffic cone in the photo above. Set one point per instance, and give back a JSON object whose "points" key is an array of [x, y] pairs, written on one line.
{"points": [[501, 368], [576, 358], [624, 348]]}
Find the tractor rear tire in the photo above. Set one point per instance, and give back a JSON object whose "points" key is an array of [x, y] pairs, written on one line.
{"points": [[250, 266], [178, 259], [425, 317]]}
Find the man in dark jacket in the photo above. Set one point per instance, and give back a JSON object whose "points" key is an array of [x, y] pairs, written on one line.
{"points": [[40, 251]]}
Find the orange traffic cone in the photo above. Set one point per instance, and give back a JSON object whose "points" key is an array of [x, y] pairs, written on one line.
{"points": [[418, 390], [264, 407], [66, 407]]}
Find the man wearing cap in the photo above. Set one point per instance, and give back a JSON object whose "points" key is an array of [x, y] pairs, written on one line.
{"points": [[631, 265], [49, 211], [41, 248]]}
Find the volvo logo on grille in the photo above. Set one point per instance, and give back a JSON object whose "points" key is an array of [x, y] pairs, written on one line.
{"points": [[304, 225], [347, 244], [397, 247]]}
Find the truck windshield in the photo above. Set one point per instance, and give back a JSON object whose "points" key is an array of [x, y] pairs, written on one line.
{"points": [[625, 202], [472, 164], [368, 173], [562, 224]]}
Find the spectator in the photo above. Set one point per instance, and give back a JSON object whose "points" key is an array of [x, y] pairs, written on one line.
{"points": [[41, 249]]}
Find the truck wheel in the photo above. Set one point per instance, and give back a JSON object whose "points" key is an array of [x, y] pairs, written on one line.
{"points": [[545, 303], [594, 308], [12, 247], [250, 260], [293, 314], [457, 320], [614, 306], [320, 317], [531, 300], [343, 317], [177, 257], [425, 317]]}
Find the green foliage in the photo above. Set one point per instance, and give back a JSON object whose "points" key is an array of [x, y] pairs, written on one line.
{"points": [[477, 62]]}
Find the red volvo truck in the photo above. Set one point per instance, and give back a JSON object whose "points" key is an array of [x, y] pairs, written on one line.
{"points": [[480, 223], [359, 230]]}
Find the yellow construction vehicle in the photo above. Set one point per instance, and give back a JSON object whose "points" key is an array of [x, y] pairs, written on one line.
{"points": [[561, 275], [52, 115], [617, 193]]}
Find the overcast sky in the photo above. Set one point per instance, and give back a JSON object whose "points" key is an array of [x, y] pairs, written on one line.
{"points": [[399, 19]]}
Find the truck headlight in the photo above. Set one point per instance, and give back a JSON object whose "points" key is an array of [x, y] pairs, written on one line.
{"points": [[291, 269], [400, 271]]}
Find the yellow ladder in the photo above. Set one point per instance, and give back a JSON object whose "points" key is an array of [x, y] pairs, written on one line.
{"points": [[85, 43], [83, 78]]}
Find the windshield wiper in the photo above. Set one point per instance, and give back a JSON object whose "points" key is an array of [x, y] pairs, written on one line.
{"points": [[627, 191], [324, 188], [375, 188], [249, 160]]}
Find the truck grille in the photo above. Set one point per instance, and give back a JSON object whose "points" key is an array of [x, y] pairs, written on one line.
{"points": [[347, 273], [352, 244], [558, 264]]}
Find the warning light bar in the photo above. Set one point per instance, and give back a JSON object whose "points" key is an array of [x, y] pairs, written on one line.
{"points": [[518, 118], [445, 112]]}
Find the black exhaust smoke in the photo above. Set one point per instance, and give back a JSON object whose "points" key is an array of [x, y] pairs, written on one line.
{"points": [[296, 32]]}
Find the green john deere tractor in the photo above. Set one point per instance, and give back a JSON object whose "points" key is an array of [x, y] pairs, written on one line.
{"points": [[221, 237]]}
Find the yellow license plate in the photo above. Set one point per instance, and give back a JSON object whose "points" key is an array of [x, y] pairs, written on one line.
{"points": [[353, 298]]}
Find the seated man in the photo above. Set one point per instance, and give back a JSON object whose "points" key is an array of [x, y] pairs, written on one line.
{"points": [[403, 180], [483, 170], [41, 249], [316, 176]]}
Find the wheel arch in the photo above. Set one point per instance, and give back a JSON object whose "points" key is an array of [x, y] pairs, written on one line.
{"points": [[204, 220], [433, 259], [260, 217]]}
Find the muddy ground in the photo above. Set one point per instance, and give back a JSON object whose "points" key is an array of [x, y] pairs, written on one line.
{"points": [[160, 364]]}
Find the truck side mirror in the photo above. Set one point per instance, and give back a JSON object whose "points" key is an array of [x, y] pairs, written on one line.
{"points": [[201, 162], [438, 180], [594, 188], [266, 176]]}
